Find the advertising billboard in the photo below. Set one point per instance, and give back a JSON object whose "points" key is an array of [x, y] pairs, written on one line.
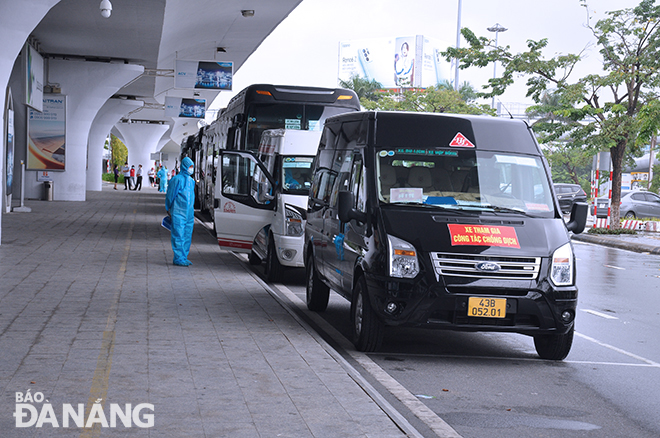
{"points": [[34, 78], [9, 165], [205, 75], [405, 61], [47, 134], [184, 107]]}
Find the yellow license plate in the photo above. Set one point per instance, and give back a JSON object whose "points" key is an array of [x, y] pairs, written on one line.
{"points": [[487, 307]]}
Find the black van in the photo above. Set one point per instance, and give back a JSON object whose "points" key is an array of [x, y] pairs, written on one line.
{"points": [[443, 221]]}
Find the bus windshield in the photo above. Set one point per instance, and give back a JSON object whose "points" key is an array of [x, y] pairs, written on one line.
{"points": [[464, 179], [306, 117]]}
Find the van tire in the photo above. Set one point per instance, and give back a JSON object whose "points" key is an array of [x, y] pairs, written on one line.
{"points": [[367, 328], [554, 347], [318, 293], [273, 268], [253, 258]]}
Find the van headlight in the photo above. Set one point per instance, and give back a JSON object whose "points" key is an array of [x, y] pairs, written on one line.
{"points": [[561, 268], [294, 223], [403, 258]]}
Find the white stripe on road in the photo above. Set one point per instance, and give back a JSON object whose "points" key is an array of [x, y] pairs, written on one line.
{"points": [[615, 267], [619, 350], [602, 315]]}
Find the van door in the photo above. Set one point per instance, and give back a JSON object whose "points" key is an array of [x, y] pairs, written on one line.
{"points": [[334, 254], [317, 209], [245, 200], [354, 231]]}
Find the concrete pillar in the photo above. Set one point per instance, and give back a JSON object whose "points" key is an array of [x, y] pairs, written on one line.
{"points": [[87, 85], [17, 20], [141, 139], [108, 115]]}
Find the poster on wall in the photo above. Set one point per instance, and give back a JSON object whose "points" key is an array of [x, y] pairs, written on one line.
{"points": [[9, 165], [34, 78], [47, 134], [205, 75], [407, 61], [184, 107]]}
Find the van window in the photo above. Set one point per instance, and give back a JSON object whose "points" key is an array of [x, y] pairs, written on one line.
{"points": [[297, 174], [470, 179], [358, 184], [237, 173], [342, 165]]}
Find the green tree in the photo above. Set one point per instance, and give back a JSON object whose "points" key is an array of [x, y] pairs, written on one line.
{"points": [[604, 108], [119, 151], [431, 99], [364, 88]]}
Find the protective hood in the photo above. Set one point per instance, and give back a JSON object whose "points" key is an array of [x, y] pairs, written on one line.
{"points": [[186, 163]]}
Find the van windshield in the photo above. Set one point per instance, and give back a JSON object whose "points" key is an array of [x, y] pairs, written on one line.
{"points": [[296, 174], [464, 179]]}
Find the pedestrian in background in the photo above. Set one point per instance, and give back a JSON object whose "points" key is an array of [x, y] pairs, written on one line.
{"points": [[179, 205], [132, 173], [138, 174], [115, 170], [162, 176], [151, 174], [127, 176]]}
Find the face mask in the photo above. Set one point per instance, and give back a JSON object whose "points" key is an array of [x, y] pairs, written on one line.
{"points": [[190, 170]]}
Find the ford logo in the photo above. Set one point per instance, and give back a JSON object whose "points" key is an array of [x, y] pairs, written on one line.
{"points": [[487, 267]]}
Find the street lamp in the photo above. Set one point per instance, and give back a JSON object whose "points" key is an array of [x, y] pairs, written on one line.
{"points": [[497, 29], [458, 43]]}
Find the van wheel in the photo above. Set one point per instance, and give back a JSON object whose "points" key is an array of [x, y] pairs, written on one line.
{"points": [[367, 328], [554, 347], [254, 259], [273, 267], [318, 293]]}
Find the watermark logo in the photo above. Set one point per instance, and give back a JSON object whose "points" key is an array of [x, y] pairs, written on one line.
{"points": [[33, 410]]}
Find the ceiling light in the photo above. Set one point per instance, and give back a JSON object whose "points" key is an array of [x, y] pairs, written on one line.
{"points": [[106, 8], [247, 13]]}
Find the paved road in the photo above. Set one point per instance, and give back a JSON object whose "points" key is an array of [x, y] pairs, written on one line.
{"points": [[489, 384]]}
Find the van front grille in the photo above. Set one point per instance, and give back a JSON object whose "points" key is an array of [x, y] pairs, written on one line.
{"points": [[491, 267]]}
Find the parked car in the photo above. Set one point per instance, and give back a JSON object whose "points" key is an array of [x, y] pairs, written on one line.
{"points": [[569, 194], [639, 204], [634, 204]]}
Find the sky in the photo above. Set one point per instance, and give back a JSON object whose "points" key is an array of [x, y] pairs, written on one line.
{"points": [[303, 49]]}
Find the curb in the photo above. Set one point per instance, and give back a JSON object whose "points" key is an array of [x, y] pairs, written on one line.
{"points": [[613, 242]]}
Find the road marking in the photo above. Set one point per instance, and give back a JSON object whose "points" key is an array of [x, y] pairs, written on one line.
{"points": [[101, 379], [619, 350], [419, 409], [602, 315], [615, 267]]}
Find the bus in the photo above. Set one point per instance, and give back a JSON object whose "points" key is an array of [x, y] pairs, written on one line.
{"points": [[252, 111]]}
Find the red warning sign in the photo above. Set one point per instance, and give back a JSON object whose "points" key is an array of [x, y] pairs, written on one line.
{"points": [[461, 141]]}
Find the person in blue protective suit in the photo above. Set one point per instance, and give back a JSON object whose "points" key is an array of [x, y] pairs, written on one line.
{"points": [[179, 203], [162, 176]]}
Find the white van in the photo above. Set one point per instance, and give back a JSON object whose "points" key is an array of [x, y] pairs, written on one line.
{"points": [[263, 199]]}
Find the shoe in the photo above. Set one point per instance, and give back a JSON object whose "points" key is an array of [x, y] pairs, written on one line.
{"points": [[115, 188]]}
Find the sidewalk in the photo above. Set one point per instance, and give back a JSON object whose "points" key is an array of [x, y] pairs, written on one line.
{"points": [[644, 242], [93, 313]]}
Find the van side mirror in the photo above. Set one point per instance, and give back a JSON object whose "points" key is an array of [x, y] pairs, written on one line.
{"points": [[345, 208], [578, 218]]}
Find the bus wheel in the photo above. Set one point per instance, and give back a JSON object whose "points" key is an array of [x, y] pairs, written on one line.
{"points": [[367, 328], [554, 347], [318, 293]]}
